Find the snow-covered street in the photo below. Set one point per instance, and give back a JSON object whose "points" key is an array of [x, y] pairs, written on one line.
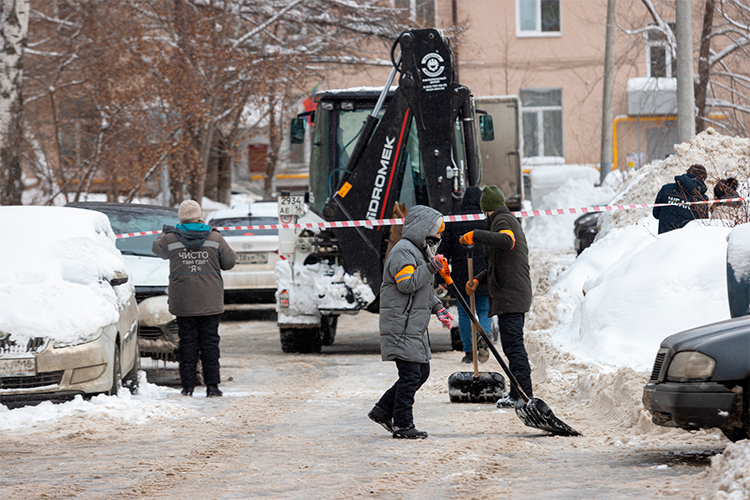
{"points": [[296, 426]]}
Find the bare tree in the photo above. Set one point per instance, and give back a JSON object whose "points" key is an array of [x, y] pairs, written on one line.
{"points": [[13, 29], [170, 82]]}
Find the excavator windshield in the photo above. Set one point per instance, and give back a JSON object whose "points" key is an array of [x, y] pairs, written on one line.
{"points": [[338, 125]]}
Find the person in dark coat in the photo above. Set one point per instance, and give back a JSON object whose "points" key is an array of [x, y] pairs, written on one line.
{"points": [[407, 302], [457, 256], [508, 279], [688, 187], [197, 255]]}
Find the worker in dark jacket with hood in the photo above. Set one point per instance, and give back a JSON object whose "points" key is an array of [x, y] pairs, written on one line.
{"points": [[407, 302], [197, 255], [687, 187], [456, 254], [508, 279]]}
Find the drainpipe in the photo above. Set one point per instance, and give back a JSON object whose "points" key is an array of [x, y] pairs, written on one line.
{"points": [[609, 82]]}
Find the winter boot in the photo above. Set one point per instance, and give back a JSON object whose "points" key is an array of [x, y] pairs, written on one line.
{"points": [[187, 391], [468, 358], [506, 401], [408, 433], [213, 391], [380, 416]]}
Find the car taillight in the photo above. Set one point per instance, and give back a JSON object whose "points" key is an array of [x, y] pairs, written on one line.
{"points": [[284, 299]]}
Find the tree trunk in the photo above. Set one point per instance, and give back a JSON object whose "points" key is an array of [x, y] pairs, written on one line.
{"points": [[14, 22], [274, 138], [701, 87]]}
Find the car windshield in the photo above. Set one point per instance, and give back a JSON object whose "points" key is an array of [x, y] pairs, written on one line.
{"points": [[246, 221], [135, 222]]}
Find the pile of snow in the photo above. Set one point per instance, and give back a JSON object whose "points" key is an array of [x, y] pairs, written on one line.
{"points": [[52, 272], [729, 475], [721, 155], [565, 186], [151, 403]]}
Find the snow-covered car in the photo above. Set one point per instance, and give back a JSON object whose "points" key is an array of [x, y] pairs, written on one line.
{"points": [[68, 314], [701, 377], [148, 273], [251, 280]]}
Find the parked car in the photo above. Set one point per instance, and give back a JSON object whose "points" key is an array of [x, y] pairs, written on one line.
{"points": [[68, 314], [149, 273], [585, 229], [701, 377], [251, 280]]}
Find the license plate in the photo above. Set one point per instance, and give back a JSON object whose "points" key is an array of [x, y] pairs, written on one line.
{"points": [[252, 258], [291, 205], [17, 367]]}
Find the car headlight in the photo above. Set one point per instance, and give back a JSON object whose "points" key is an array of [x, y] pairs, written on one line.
{"points": [[85, 338], [690, 365]]}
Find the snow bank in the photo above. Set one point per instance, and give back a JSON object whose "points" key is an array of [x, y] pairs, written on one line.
{"points": [[729, 475], [149, 404], [722, 156]]}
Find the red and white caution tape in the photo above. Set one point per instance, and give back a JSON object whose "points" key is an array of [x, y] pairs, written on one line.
{"points": [[446, 218]]}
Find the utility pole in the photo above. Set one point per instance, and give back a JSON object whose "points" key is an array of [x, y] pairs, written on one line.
{"points": [[606, 159], [685, 89]]}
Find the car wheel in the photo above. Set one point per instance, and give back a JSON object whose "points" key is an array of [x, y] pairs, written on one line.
{"points": [[456, 342], [302, 340], [116, 373], [328, 326], [131, 379], [737, 434]]}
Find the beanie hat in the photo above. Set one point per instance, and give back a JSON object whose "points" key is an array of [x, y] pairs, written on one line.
{"points": [[492, 199], [189, 211]]}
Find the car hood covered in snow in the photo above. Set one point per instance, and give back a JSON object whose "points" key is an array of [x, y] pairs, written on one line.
{"points": [[147, 271], [54, 270]]}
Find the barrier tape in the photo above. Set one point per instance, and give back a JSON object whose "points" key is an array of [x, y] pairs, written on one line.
{"points": [[448, 218]]}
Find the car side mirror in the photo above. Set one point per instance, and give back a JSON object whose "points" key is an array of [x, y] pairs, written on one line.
{"points": [[486, 130], [297, 131], [120, 278]]}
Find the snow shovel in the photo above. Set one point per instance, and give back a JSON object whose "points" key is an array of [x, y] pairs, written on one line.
{"points": [[468, 387], [533, 412]]}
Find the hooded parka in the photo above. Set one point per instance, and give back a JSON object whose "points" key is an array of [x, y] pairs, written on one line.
{"points": [[196, 259], [685, 188], [506, 255], [407, 299]]}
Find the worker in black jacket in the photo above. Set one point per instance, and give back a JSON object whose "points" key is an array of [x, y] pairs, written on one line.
{"points": [[457, 257], [508, 279], [690, 186]]}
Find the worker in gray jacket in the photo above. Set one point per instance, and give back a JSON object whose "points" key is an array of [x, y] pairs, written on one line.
{"points": [[407, 302], [197, 255]]}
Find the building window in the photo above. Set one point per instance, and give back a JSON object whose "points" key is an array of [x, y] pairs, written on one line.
{"points": [[538, 17], [659, 61], [541, 116], [422, 10]]}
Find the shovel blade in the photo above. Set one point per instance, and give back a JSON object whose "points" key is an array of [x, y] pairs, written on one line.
{"points": [[464, 387], [535, 413]]}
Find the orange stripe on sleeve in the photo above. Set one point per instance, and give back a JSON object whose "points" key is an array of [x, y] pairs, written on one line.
{"points": [[405, 273], [512, 236]]}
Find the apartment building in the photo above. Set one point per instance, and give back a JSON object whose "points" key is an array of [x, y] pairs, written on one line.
{"points": [[550, 53]]}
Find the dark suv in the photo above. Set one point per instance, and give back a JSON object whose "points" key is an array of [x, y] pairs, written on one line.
{"points": [[701, 377]]}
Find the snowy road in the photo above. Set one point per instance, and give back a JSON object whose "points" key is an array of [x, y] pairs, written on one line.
{"points": [[295, 426]]}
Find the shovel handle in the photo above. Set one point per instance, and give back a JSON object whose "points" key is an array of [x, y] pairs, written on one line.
{"points": [[475, 321]]}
